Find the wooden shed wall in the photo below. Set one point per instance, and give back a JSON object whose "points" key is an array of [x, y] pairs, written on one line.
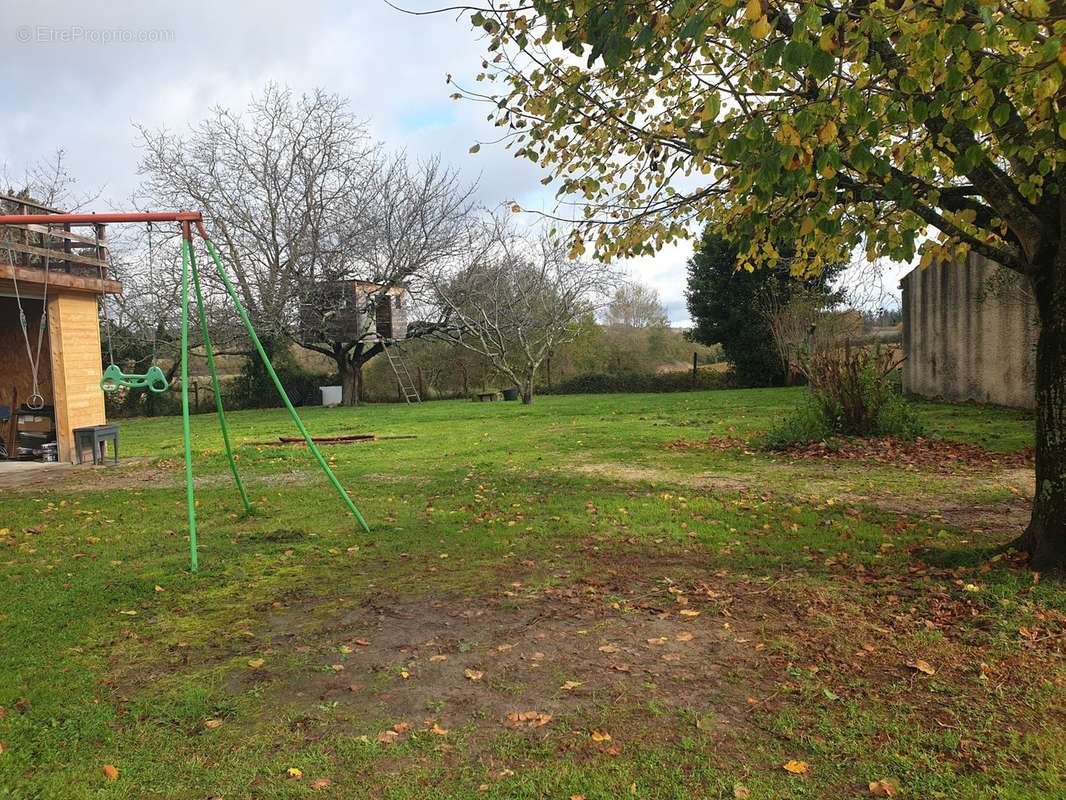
{"points": [[14, 363], [75, 333]]}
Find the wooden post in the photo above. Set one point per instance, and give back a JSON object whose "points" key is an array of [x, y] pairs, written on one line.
{"points": [[695, 366]]}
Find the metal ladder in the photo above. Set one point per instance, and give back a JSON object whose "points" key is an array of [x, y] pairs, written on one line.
{"points": [[403, 375]]}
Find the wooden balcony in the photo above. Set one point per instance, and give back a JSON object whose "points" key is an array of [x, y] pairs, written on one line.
{"points": [[75, 255]]}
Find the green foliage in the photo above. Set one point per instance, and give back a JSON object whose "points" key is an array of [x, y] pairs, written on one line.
{"points": [[807, 423], [253, 387], [828, 128], [725, 305], [626, 382]]}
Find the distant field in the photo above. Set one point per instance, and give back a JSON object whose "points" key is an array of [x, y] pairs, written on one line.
{"points": [[594, 596]]}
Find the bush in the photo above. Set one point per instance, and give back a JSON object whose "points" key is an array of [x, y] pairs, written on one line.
{"points": [[806, 424], [855, 388], [623, 382], [253, 388], [852, 393]]}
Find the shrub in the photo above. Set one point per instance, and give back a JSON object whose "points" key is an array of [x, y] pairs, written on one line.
{"points": [[854, 387], [806, 424], [853, 392], [622, 382]]}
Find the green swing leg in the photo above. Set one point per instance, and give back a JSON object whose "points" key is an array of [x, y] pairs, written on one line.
{"points": [[277, 384], [209, 351], [190, 499]]}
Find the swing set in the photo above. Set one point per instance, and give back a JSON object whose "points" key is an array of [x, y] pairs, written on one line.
{"points": [[155, 380]]}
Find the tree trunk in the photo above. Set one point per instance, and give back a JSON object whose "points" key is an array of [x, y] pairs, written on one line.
{"points": [[527, 392], [1045, 538], [351, 383]]}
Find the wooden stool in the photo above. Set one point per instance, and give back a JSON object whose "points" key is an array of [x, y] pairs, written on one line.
{"points": [[96, 437]]}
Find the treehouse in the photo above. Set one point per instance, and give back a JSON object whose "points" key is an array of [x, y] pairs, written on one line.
{"points": [[51, 281], [347, 311]]}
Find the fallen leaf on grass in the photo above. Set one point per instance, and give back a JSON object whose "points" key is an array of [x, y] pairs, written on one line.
{"points": [[796, 767], [438, 730], [211, 724], [571, 685], [320, 783], [684, 636], [388, 737], [882, 788], [688, 612], [110, 772], [608, 648], [295, 773], [923, 666], [256, 663], [337, 667], [362, 642], [402, 727], [741, 792], [473, 674], [531, 719], [438, 658], [600, 736], [3, 748]]}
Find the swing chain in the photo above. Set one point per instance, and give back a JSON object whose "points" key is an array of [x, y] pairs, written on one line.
{"points": [[36, 399], [113, 379]]}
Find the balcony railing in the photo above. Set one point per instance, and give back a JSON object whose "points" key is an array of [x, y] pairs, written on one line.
{"points": [[78, 249]]}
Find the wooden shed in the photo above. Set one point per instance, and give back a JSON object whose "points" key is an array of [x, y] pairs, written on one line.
{"points": [[59, 271]]}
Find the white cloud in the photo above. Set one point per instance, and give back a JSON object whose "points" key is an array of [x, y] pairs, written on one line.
{"points": [[86, 95]]}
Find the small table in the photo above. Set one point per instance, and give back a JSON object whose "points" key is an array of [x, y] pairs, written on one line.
{"points": [[96, 436], [487, 397]]}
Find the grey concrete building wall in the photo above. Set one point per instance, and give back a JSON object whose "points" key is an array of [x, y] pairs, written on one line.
{"points": [[969, 333]]}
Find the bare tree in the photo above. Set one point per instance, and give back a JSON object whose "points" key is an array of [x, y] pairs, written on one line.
{"points": [[410, 220], [48, 181], [635, 305], [804, 324], [517, 298], [277, 184]]}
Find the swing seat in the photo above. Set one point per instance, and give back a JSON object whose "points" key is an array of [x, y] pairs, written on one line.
{"points": [[153, 380]]}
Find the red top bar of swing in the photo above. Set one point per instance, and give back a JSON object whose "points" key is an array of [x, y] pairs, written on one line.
{"points": [[100, 219]]}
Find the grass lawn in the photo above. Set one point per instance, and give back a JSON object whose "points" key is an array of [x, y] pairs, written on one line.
{"points": [[595, 596]]}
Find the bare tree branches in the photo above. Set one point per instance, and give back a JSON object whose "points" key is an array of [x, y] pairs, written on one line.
{"points": [[518, 297]]}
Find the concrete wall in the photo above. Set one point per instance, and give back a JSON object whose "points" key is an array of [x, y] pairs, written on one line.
{"points": [[969, 333]]}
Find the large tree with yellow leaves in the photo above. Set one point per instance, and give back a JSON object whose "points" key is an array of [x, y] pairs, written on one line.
{"points": [[910, 129]]}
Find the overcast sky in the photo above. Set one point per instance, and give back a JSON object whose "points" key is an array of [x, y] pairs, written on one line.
{"points": [[70, 84]]}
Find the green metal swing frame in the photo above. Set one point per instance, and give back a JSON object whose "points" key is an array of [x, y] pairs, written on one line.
{"points": [[154, 382]]}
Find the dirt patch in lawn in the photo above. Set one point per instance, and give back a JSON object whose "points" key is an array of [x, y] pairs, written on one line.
{"points": [[925, 455], [1008, 516], [529, 660], [630, 474]]}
